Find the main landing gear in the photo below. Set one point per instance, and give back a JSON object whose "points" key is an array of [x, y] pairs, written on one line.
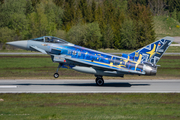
{"points": [[99, 81], [56, 75]]}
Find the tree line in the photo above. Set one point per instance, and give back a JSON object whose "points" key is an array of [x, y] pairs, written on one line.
{"points": [[118, 24]]}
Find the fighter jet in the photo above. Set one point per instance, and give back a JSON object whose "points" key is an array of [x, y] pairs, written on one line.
{"points": [[71, 56]]}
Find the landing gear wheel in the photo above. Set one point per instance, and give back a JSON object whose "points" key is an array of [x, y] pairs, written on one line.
{"points": [[56, 75], [99, 81]]}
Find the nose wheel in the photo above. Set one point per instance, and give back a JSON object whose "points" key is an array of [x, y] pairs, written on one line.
{"points": [[99, 81], [56, 75]]}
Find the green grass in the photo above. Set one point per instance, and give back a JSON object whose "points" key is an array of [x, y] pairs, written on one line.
{"points": [[90, 106], [169, 67], [173, 49], [32, 67], [166, 26], [12, 67]]}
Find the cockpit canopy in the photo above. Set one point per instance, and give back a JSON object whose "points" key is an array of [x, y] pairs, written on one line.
{"points": [[50, 39]]}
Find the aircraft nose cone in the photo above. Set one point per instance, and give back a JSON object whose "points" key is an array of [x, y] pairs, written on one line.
{"points": [[20, 44]]}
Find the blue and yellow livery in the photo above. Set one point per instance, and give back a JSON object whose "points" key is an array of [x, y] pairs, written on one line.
{"points": [[70, 56]]}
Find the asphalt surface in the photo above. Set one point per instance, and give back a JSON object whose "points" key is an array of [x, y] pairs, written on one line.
{"points": [[89, 86], [177, 39]]}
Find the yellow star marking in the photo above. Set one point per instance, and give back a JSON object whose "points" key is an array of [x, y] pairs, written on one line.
{"points": [[152, 51], [86, 53]]}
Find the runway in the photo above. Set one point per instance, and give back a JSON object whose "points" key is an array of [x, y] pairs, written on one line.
{"points": [[89, 86]]}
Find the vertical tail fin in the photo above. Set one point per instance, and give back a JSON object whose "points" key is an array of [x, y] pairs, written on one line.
{"points": [[152, 52]]}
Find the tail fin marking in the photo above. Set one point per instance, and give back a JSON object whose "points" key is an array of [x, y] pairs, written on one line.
{"points": [[156, 57], [152, 52]]}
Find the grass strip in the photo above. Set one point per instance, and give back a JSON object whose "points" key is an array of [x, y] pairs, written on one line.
{"points": [[90, 106]]}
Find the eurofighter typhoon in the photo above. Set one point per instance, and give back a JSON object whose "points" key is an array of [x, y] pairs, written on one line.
{"points": [[71, 56]]}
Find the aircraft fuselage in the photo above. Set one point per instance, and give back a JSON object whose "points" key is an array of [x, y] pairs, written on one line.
{"points": [[68, 55]]}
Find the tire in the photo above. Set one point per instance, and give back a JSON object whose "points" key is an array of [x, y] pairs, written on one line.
{"points": [[56, 75], [99, 81]]}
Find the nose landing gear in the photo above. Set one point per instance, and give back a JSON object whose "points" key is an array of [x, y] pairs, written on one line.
{"points": [[56, 75]]}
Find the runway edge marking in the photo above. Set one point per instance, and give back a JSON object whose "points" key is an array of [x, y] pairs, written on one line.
{"points": [[8, 86]]}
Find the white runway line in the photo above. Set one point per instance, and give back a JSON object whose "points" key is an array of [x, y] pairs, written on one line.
{"points": [[8, 86]]}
